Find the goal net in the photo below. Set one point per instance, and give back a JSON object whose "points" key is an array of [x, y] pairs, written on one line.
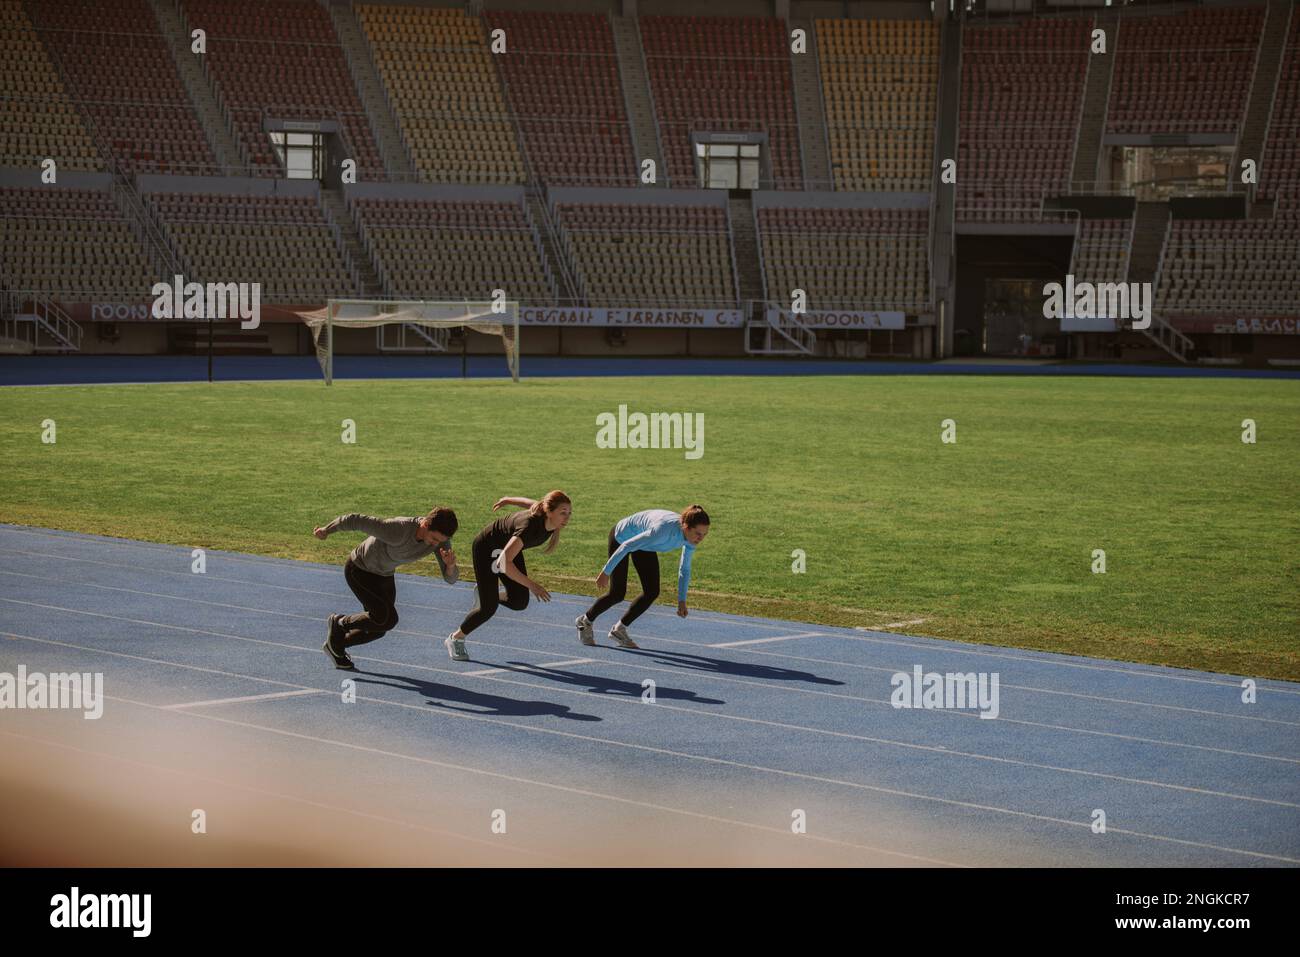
{"points": [[431, 322]]}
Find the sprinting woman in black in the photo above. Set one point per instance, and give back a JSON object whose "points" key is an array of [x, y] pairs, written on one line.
{"points": [[498, 554]]}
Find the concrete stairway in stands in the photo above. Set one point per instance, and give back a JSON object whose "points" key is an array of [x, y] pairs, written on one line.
{"points": [[1259, 106], [815, 151], [370, 87], [1096, 100], [190, 66], [638, 98], [371, 285], [1149, 233]]}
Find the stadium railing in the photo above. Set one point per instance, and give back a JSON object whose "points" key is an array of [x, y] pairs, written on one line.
{"points": [[1154, 190]]}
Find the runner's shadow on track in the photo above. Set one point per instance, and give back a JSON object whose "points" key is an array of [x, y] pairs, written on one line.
{"points": [[737, 669], [472, 702], [610, 686]]}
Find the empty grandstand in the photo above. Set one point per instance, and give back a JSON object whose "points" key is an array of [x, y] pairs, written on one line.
{"points": [[918, 170]]}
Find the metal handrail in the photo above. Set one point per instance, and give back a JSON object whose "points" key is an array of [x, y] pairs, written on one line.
{"points": [[553, 229]]}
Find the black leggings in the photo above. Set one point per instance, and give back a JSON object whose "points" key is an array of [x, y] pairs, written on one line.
{"points": [[486, 582], [647, 568], [378, 595]]}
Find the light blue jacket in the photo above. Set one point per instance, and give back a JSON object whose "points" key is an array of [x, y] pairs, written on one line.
{"points": [[654, 530]]}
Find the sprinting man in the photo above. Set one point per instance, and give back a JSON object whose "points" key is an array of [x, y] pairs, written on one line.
{"points": [[639, 537], [507, 537], [370, 567]]}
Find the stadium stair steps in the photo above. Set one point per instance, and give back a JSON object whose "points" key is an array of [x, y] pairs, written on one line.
{"points": [[220, 137], [1148, 241], [1268, 65], [1096, 100], [392, 148], [36, 323], [778, 335], [560, 270], [744, 238], [811, 111], [943, 277], [1150, 230], [154, 241], [335, 205], [636, 97]]}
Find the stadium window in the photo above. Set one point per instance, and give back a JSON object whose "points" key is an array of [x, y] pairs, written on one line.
{"points": [[727, 165], [1157, 173], [300, 154]]}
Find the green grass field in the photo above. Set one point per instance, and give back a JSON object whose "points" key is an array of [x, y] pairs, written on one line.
{"points": [[989, 539]]}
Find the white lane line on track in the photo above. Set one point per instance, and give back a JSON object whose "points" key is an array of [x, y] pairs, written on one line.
{"points": [[763, 641], [548, 664], [254, 697], [890, 624]]}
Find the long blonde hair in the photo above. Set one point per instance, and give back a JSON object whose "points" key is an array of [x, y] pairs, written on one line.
{"points": [[549, 503]]}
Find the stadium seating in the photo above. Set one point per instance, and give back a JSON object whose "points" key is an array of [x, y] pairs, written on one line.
{"points": [[73, 243], [1280, 171], [880, 80], [445, 93], [552, 111], [1246, 268], [284, 242], [1101, 250], [1021, 98], [722, 74], [1231, 267], [120, 73], [37, 119], [1185, 73], [454, 250], [635, 255], [562, 83], [281, 58], [847, 258]]}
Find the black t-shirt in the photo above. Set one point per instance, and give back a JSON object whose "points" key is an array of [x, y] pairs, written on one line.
{"points": [[530, 528]]}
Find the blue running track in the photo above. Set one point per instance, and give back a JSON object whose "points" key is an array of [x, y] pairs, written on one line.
{"points": [[755, 725]]}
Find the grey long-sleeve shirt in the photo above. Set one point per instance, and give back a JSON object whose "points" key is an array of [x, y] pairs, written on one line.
{"points": [[391, 542]]}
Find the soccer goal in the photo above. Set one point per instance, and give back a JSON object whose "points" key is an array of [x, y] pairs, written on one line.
{"points": [[428, 324]]}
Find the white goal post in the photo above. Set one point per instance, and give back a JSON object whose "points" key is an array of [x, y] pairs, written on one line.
{"points": [[431, 320]]}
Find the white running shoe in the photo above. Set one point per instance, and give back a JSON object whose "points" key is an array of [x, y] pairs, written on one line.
{"points": [[619, 634], [456, 648], [496, 566], [584, 630]]}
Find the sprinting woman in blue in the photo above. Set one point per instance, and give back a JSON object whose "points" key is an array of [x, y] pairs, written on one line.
{"points": [[639, 537]]}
